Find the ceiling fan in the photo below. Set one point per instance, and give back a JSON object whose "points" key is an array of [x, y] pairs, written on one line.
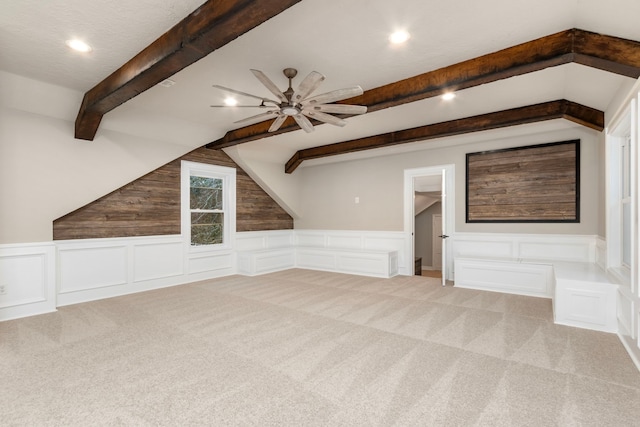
{"points": [[298, 103]]}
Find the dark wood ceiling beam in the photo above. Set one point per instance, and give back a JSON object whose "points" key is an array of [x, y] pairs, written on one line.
{"points": [[608, 53], [211, 26], [612, 54], [532, 56], [561, 109]]}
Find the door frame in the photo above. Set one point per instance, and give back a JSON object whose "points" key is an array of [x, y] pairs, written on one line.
{"points": [[409, 214]]}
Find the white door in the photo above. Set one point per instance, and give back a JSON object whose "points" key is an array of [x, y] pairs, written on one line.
{"points": [[436, 245], [444, 229]]}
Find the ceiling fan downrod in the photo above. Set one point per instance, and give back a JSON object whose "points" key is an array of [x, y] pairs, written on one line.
{"points": [[289, 108]]}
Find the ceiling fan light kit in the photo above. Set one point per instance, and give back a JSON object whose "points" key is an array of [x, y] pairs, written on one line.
{"points": [[298, 103]]}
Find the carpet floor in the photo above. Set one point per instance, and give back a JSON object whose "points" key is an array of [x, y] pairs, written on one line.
{"points": [[307, 348]]}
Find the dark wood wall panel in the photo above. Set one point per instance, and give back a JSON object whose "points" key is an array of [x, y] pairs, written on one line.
{"points": [[150, 205], [526, 184]]}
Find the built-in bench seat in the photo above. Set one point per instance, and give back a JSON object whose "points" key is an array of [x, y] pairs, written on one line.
{"points": [[262, 261], [367, 262], [583, 294], [509, 275]]}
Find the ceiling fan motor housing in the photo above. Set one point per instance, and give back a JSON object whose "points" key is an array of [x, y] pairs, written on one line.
{"points": [[289, 110]]}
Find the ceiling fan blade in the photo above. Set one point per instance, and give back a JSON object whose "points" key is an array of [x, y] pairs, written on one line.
{"points": [[258, 117], [277, 123], [308, 85], [237, 92], [239, 106], [333, 96], [303, 122], [338, 108], [269, 85], [327, 118]]}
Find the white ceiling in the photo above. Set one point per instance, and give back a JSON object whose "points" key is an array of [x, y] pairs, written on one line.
{"points": [[344, 40]]}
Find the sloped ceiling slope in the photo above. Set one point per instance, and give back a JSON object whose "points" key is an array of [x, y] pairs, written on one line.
{"points": [[346, 41]]}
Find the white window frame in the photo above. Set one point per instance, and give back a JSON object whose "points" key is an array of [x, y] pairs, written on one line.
{"points": [[228, 176], [621, 190], [626, 199]]}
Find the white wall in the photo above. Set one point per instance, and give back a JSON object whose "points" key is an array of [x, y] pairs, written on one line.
{"points": [[283, 188], [45, 172], [328, 191]]}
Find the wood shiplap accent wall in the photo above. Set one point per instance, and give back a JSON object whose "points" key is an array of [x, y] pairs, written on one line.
{"points": [[150, 205], [539, 183]]}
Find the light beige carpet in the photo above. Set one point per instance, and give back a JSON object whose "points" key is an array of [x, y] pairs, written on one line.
{"points": [[304, 348]]}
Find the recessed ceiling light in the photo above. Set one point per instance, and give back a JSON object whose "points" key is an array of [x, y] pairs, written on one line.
{"points": [[167, 83], [399, 37], [78, 45], [230, 102], [448, 96]]}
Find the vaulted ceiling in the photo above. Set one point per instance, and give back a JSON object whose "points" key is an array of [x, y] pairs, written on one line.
{"points": [[555, 65]]}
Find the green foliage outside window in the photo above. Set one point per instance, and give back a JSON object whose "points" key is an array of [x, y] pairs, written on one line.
{"points": [[207, 214]]}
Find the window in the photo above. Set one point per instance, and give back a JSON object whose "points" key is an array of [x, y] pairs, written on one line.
{"points": [[208, 205], [620, 196], [625, 200]]}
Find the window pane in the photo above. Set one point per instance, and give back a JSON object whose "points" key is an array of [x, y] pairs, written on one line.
{"points": [[206, 193], [207, 228], [626, 234], [627, 169]]}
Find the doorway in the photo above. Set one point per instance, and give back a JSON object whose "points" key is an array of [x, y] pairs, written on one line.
{"points": [[436, 242], [428, 225], [435, 182]]}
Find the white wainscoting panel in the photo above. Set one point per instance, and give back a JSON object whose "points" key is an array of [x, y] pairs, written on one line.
{"points": [[310, 238], [551, 247], [27, 275], [280, 239], [157, 260], [579, 251], [210, 262], [91, 269], [340, 240], [89, 266], [473, 246], [256, 240]]}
